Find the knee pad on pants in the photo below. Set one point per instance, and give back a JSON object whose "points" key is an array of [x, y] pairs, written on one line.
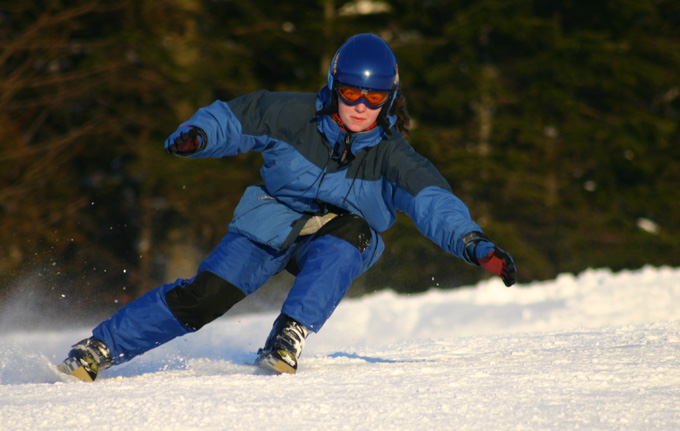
{"points": [[203, 300]]}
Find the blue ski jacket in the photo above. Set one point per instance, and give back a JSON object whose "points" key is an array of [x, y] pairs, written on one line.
{"points": [[305, 172]]}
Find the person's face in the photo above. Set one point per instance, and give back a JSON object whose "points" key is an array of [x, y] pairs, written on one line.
{"points": [[357, 118]]}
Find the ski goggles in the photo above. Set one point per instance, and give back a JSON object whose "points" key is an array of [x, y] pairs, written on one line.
{"points": [[372, 98]]}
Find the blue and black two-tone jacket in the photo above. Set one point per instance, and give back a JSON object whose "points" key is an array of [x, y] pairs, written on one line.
{"points": [[304, 171]]}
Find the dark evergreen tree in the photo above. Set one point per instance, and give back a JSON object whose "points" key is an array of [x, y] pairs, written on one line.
{"points": [[556, 122]]}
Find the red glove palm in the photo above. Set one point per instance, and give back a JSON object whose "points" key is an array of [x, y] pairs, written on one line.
{"points": [[498, 262], [187, 140]]}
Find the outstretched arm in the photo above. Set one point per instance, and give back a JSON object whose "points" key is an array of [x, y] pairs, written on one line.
{"points": [[213, 131], [441, 216], [217, 130]]}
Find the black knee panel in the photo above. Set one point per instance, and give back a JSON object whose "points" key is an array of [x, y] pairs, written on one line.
{"points": [[203, 300], [349, 227]]}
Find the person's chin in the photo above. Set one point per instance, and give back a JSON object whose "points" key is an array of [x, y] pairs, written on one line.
{"points": [[356, 127]]}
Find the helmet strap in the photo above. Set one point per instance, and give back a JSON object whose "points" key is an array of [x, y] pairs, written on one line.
{"points": [[332, 108], [382, 118]]}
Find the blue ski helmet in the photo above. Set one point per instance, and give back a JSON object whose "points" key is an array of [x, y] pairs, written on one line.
{"points": [[365, 61]]}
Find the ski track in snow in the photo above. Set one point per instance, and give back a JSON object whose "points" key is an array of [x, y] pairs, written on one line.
{"points": [[597, 351]]}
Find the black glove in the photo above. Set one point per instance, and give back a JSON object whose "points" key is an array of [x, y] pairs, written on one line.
{"points": [[500, 263], [185, 141], [490, 257]]}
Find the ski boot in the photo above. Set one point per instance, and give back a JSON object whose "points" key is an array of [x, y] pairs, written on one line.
{"points": [[86, 359], [283, 346]]}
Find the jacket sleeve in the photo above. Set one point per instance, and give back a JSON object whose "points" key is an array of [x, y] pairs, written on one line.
{"points": [[426, 197], [222, 124], [440, 216]]}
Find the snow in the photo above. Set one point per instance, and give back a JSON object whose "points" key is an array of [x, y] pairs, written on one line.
{"points": [[595, 351]]}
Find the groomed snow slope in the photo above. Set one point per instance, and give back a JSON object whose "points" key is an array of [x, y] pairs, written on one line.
{"points": [[597, 351]]}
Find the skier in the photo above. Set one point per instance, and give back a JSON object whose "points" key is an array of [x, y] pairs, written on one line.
{"points": [[336, 168]]}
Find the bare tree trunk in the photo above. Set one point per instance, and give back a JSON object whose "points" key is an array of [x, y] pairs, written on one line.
{"points": [[329, 26]]}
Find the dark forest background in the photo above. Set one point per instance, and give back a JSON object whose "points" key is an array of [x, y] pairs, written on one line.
{"points": [[556, 121]]}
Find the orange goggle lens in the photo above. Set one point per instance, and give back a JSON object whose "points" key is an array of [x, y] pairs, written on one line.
{"points": [[353, 95]]}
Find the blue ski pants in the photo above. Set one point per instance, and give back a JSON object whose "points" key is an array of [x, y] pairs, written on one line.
{"points": [[325, 264]]}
